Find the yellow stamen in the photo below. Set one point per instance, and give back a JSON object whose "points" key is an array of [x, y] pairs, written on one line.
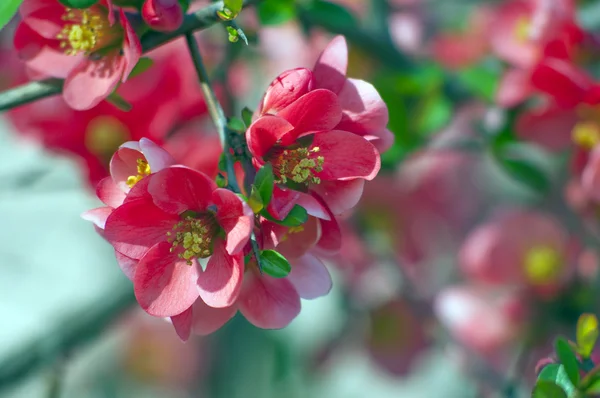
{"points": [[291, 231], [194, 236], [104, 134], [298, 165], [543, 264], [85, 31], [586, 135], [143, 170]]}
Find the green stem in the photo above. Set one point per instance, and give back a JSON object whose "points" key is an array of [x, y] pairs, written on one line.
{"points": [[214, 109], [33, 91]]}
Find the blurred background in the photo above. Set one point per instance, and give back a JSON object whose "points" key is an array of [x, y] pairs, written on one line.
{"points": [[471, 250]]}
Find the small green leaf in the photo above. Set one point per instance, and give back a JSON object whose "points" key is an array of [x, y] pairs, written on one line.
{"points": [[8, 8], [119, 102], [247, 116], [255, 201], [274, 264], [275, 12], [236, 124], [513, 159], [264, 183], [142, 65], [435, 112], [221, 180], [547, 389], [482, 79], [297, 216], [594, 388], [587, 334], [334, 14], [556, 373], [223, 162], [78, 3], [567, 357], [235, 6]]}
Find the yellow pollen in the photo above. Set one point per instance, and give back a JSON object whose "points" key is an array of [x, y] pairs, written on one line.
{"points": [[522, 28], [82, 32], [543, 264], [194, 236], [143, 170], [586, 135], [298, 165]]}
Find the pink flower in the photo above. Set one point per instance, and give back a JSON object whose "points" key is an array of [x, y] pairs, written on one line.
{"points": [[304, 150], [169, 223], [518, 247], [482, 320], [84, 46], [129, 165], [363, 111]]}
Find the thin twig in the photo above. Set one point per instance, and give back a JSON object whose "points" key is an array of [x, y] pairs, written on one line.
{"points": [[33, 91]]}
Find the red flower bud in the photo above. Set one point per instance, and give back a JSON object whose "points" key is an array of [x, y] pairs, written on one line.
{"points": [[162, 15]]}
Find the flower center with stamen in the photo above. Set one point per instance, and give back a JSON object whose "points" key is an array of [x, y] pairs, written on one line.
{"points": [[543, 264], [291, 231], [522, 29], [586, 135], [193, 236], [143, 170], [84, 31], [297, 165]]}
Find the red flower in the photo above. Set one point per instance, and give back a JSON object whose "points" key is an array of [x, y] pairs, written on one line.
{"points": [[162, 15], [177, 218], [84, 46]]}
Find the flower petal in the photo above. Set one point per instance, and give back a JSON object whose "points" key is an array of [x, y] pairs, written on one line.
{"points": [[310, 277], [178, 188], [135, 226], [183, 324], [98, 216], [165, 285], [127, 264], [132, 48], [262, 135], [330, 69], [219, 285], [550, 128], [267, 302], [157, 157], [282, 202], [346, 156], [207, 319], [286, 88], [514, 88], [363, 109], [318, 110], [340, 196], [565, 82], [235, 217], [109, 193], [90, 82]]}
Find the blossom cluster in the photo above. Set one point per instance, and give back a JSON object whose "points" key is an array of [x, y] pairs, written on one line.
{"points": [[198, 253]]}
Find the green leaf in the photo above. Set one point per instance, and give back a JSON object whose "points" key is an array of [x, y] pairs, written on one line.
{"points": [[434, 113], [236, 124], [8, 8], [556, 373], [587, 334], [78, 3], [142, 65], [119, 102], [264, 183], [255, 201], [297, 216], [594, 388], [275, 12], [482, 80], [547, 389], [234, 6], [247, 116], [221, 180], [514, 160], [567, 357], [334, 14], [274, 264]]}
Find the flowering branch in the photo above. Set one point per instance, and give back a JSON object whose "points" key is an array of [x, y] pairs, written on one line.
{"points": [[33, 91]]}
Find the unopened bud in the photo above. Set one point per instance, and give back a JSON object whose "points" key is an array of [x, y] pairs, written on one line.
{"points": [[162, 15]]}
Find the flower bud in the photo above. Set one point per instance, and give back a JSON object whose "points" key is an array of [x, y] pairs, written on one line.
{"points": [[162, 15]]}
